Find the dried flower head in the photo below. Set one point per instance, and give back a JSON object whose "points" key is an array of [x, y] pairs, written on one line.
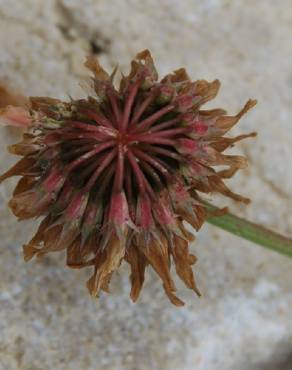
{"points": [[116, 176]]}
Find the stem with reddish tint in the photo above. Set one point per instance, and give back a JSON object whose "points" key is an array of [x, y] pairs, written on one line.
{"points": [[154, 162], [140, 178], [104, 163], [169, 133], [144, 125], [142, 109], [84, 157], [166, 124], [107, 175], [119, 176], [98, 118], [151, 172], [128, 106], [129, 191], [114, 103], [86, 135], [166, 152], [151, 139]]}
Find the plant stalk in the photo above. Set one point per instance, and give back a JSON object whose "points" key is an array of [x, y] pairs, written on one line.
{"points": [[251, 231]]}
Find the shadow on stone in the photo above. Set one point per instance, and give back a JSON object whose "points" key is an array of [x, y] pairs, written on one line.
{"points": [[280, 360]]}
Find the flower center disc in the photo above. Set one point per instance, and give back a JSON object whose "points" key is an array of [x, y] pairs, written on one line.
{"points": [[125, 139]]}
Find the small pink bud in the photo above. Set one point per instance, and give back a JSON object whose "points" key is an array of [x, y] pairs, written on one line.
{"points": [[194, 170], [199, 127], [184, 102], [165, 95], [187, 118], [187, 146], [179, 193]]}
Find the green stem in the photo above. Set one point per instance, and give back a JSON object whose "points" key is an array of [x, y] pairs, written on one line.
{"points": [[251, 231]]}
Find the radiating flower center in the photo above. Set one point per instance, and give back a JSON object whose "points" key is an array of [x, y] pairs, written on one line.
{"points": [[125, 139]]}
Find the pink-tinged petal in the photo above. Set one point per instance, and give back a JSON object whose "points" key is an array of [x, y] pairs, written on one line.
{"points": [[92, 218], [179, 193], [187, 146], [144, 217], [195, 171], [165, 94], [163, 211], [54, 181], [76, 207], [91, 214], [15, 116], [199, 127], [64, 197], [119, 210], [184, 102], [188, 118]]}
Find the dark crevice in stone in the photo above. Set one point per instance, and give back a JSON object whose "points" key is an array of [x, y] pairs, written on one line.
{"points": [[72, 30], [281, 359], [96, 48]]}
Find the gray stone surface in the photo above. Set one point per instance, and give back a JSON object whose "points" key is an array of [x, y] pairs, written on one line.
{"points": [[243, 320]]}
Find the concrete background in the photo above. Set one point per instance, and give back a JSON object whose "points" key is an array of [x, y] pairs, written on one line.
{"points": [[243, 320]]}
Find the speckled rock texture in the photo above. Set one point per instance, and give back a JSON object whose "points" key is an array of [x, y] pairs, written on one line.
{"points": [[243, 320]]}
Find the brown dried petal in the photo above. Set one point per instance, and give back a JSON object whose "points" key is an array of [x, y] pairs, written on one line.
{"points": [[157, 254], [178, 76], [33, 247], [93, 64], [114, 253], [223, 143], [26, 183], [206, 90], [19, 169], [225, 123], [180, 253], [138, 264]]}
